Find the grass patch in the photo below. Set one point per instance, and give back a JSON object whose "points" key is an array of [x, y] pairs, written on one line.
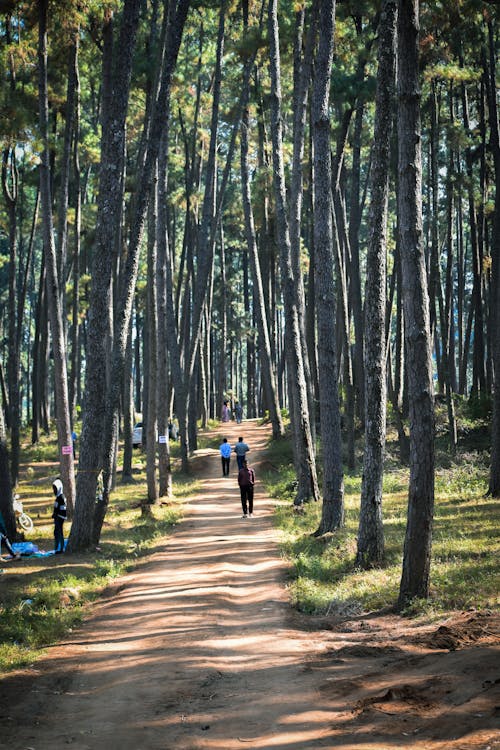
{"points": [[42, 599], [323, 574]]}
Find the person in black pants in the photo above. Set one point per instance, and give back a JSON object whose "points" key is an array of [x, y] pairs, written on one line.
{"points": [[59, 516], [225, 454], [246, 481]]}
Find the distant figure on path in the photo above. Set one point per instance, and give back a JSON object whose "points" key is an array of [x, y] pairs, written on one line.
{"points": [[246, 481], [226, 412], [240, 449], [225, 453], [238, 412]]}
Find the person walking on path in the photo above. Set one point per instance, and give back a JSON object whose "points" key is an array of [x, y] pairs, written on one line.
{"points": [[59, 515], [238, 412], [225, 453], [246, 481], [240, 449]]}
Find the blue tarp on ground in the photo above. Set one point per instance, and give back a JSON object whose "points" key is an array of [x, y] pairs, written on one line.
{"points": [[28, 549]]}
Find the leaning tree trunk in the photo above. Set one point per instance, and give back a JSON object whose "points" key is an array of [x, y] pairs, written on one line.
{"points": [[332, 515], [418, 539], [306, 463], [67, 469], [371, 531]]}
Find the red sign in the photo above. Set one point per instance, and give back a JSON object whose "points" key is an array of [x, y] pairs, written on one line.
{"points": [[67, 450]]}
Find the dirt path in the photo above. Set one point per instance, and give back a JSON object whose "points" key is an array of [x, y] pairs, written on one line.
{"points": [[200, 649]]}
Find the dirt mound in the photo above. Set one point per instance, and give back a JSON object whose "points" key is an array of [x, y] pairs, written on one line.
{"points": [[466, 630], [401, 699]]}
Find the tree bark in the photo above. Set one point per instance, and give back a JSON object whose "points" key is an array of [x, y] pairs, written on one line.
{"points": [[266, 360], [116, 79], [163, 409], [332, 515], [151, 306], [371, 531], [10, 189], [494, 486], [306, 464], [66, 462], [418, 538]]}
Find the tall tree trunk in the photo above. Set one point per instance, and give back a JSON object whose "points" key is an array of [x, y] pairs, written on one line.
{"points": [[332, 515], [128, 414], [478, 368], [371, 531], [343, 252], [494, 486], [67, 470], [36, 375], [435, 291], [151, 306], [10, 189], [306, 464], [131, 266], [163, 408], [266, 359], [418, 539], [302, 77], [116, 84], [70, 113], [222, 390], [75, 327], [448, 340]]}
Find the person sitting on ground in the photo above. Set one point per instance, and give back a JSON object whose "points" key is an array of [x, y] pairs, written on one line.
{"points": [[225, 453], [246, 481], [5, 540], [240, 449]]}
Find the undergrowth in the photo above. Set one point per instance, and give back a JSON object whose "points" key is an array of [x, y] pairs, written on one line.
{"points": [[324, 577]]}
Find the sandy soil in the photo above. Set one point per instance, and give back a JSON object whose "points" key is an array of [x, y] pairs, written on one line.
{"points": [[200, 649]]}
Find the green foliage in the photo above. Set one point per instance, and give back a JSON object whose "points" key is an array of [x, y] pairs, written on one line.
{"points": [[323, 573]]}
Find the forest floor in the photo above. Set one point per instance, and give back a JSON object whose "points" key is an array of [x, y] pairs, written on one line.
{"points": [[199, 648]]}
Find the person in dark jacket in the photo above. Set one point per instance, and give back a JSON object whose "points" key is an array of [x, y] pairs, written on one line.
{"points": [[241, 448], [59, 515], [246, 481], [4, 539]]}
